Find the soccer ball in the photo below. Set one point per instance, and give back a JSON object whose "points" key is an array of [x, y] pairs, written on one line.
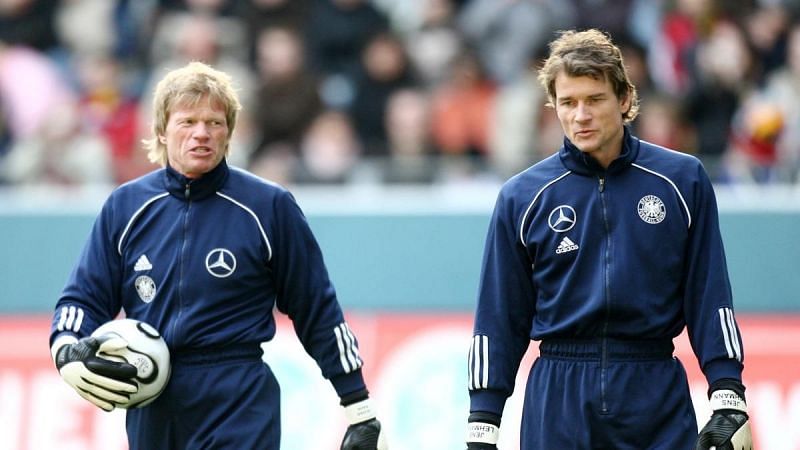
{"points": [[147, 351]]}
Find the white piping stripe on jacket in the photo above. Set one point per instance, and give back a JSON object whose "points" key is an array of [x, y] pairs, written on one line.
{"points": [[479, 363], [70, 319], [348, 350], [133, 219], [530, 206], [680, 196], [258, 222], [728, 324]]}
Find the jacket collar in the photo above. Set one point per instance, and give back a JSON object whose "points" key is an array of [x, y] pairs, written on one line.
{"points": [[580, 163], [198, 188]]}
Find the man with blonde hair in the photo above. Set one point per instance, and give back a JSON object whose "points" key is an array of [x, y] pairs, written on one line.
{"points": [[604, 252], [203, 252]]}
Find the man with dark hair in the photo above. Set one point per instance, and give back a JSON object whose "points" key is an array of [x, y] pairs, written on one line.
{"points": [[604, 252]]}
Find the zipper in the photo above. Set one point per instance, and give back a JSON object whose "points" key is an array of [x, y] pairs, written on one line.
{"points": [[607, 290], [177, 320]]}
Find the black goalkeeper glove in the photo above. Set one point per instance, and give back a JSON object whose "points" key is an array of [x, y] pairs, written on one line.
{"points": [[483, 430], [100, 381], [364, 432], [729, 426]]}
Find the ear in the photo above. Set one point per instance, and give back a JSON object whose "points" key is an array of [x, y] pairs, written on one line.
{"points": [[162, 139]]}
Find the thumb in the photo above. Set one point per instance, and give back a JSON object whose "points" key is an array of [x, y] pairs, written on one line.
{"points": [[111, 343]]}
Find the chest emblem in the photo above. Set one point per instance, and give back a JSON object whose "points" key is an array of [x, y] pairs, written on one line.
{"points": [[146, 288], [562, 218], [566, 246], [220, 262], [651, 209], [142, 264]]}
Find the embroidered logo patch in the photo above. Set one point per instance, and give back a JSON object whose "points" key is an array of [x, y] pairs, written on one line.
{"points": [[146, 288], [142, 264], [651, 209], [220, 262], [566, 245], [562, 218]]}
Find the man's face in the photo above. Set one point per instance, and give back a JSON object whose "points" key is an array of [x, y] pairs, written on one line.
{"points": [[591, 115], [196, 137]]}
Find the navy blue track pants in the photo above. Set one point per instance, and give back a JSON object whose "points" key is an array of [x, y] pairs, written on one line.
{"points": [[607, 394], [211, 403]]}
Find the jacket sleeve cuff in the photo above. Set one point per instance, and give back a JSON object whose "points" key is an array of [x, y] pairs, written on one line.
{"points": [[723, 368], [62, 340], [348, 383], [487, 400]]}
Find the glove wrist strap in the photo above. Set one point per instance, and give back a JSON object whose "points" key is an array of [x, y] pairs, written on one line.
{"points": [[482, 432], [359, 411], [727, 399]]}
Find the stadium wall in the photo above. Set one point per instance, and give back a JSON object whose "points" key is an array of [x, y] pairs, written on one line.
{"points": [[399, 261]]}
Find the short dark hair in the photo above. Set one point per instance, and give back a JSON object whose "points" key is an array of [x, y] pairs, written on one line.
{"points": [[588, 53]]}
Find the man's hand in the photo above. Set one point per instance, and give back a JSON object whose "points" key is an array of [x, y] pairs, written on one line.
{"points": [[364, 432], [103, 382], [483, 430], [729, 426]]}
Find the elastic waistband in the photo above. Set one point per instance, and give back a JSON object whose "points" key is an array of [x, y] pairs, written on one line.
{"points": [[211, 355], [607, 348]]}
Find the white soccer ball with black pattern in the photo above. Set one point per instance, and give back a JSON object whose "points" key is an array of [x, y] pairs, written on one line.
{"points": [[147, 351]]}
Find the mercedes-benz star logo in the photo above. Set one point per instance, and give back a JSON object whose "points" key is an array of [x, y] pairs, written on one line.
{"points": [[562, 218], [220, 262]]}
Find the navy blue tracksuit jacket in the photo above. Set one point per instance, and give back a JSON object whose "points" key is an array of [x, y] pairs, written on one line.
{"points": [[597, 263], [205, 262]]}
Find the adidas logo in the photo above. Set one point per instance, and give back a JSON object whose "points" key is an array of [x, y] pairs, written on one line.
{"points": [[566, 245], [142, 264]]}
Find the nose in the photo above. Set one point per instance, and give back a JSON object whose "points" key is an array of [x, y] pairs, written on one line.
{"points": [[200, 131], [582, 113]]}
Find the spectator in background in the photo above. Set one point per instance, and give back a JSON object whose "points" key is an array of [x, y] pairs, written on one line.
{"points": [[287, 95], [60, 152], [260, 14], [505, 33], [670, 53], [661, 123], [337, 32], [515, 122], [783, 89], [71, 19], [383, 70], [434, 44], [31, 86], [107, 107], [725, 69], [751, 156], [329, 151], [29, 23], [766, 27], [462, 108], [410, 158]]}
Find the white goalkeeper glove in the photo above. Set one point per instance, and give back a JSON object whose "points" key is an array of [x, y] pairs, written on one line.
{"points": [[729, 426], [483, 429], [103, 382], [364, 432]]}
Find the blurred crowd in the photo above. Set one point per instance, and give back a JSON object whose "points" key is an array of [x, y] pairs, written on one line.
{"points": [[390, 91]]}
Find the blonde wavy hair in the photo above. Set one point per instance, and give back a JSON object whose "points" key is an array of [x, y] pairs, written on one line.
{"points": [[187, 86], [588, 53]]}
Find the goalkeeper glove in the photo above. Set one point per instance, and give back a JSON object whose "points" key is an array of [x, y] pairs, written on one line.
{"points": [[729, 426], [483, 430], [103, 382], [364, 432]]}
